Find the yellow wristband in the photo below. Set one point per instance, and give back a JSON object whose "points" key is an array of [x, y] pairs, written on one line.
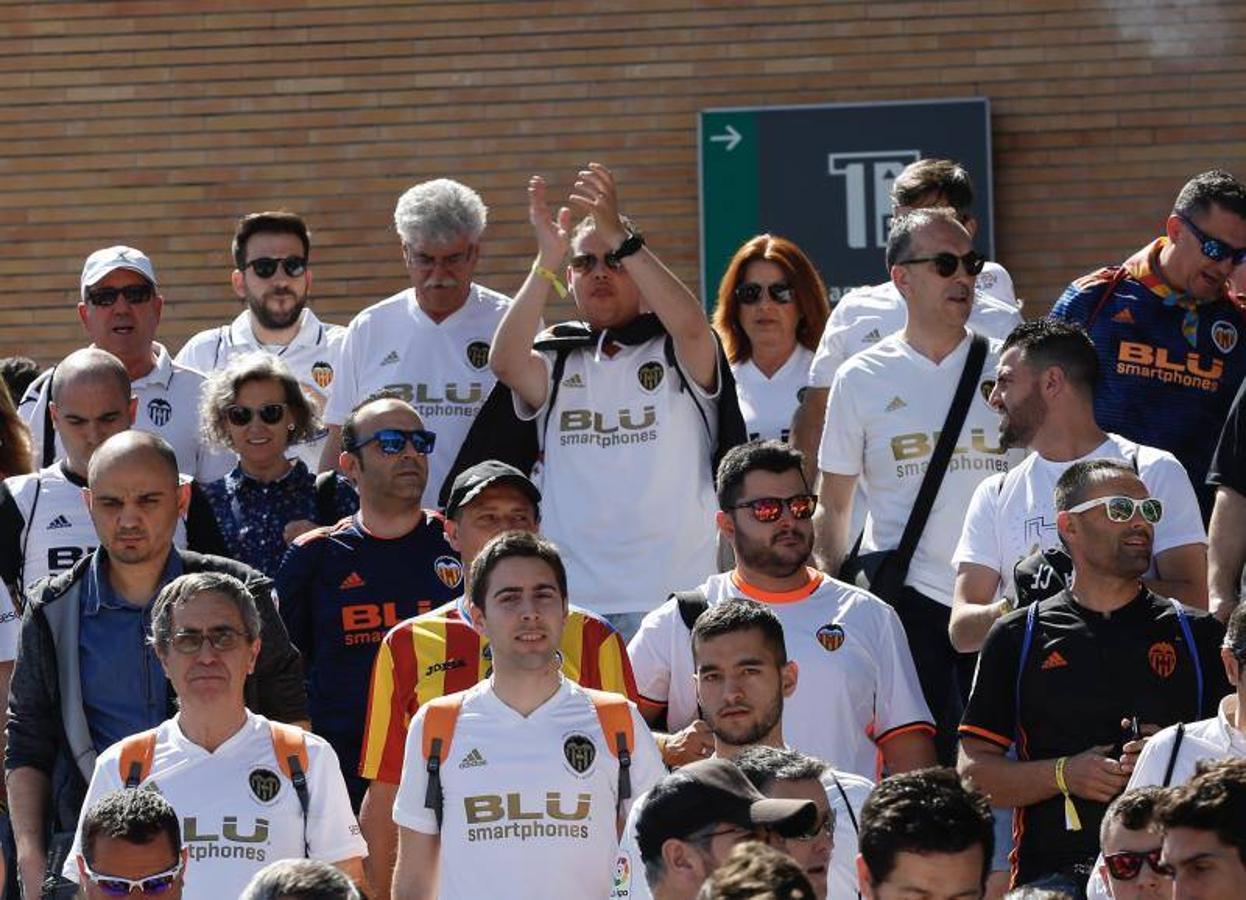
{"points": [[553, 279], [1072, 822]]}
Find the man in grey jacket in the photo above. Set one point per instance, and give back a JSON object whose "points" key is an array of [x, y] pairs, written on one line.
{"points": [[84, 677]]}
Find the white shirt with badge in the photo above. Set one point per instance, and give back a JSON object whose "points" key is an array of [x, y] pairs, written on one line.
{"points": [[440, 368], [1014, 514], [529, 801], [885, 411], [768, 403], [313, 356], [625, 478], [168, 405], [856, 687], [239, 811]]}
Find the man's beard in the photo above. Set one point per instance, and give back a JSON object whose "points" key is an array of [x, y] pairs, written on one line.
{"points": [[777, 562], [275, 320], [1020, 425], [764, 724]]}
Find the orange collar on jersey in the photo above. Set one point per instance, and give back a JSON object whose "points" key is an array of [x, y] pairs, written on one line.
{"points": [[815, 581], [1144, 268]]}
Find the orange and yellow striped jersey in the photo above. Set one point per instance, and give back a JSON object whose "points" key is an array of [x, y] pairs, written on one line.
{"points": [[440, 653]]}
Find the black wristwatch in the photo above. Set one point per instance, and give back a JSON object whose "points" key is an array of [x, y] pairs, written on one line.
{"points": [[630, 245]]}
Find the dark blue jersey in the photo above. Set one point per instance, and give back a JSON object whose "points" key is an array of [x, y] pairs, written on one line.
{"points": [[340, 591], [1169, 368]]}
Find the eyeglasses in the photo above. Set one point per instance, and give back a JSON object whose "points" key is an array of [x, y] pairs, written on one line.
{"points": [[393, 441], [116, 886], [134, 294], [704, 837], [769, 509], [1122, 509], [266, 266], [1126, 865], [241, 416], [1213, 248], [945, 263], [222, 639], [750, 292], [825, 826], [583, 263]]}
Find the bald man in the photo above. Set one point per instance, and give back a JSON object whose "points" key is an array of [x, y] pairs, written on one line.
{"points": [[85, 677]]}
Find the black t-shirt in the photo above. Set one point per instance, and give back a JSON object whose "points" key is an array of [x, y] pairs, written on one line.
{"points": [[1084, 672], [1228, 464]]}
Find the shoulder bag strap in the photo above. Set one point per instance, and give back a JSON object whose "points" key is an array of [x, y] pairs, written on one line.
{"points": [[1172, 757]]}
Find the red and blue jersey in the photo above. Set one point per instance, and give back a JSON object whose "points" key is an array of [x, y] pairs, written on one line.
{"points": [[1170, 368]]}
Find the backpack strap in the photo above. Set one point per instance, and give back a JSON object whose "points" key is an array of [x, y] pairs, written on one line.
{"points": [[137, 752], [691, 605], [555, 381], [290, 748], [326, 498], [1184, 621], [1172, 757], [1031, 623], [49, 430], [615, 717], [439, 722], [1113, 283]]}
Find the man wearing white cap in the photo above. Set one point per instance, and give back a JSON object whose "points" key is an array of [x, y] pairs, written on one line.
{"points": [[120, 309]]}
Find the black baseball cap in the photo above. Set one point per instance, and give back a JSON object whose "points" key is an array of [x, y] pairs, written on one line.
{"points": [[709, 791], [470, 482]]}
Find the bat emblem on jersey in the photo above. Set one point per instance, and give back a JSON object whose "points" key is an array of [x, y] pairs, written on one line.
{"points": [[449, 570], [831, 636], [478, 354], [265, 784], [159, 411], [1163, 658], [322, 374], [1224, 336], [650, 375], [580, 753]]}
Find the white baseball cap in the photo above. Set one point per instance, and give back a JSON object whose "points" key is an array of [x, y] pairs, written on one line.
{"points": [[101, 262]]}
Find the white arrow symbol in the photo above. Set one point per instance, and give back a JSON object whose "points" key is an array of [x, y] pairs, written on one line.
{"points": [[731, 138]]}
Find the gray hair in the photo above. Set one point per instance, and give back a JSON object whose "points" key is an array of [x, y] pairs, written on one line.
{"points": [[906, 227], [181, 590], [221, 391], [440, 212], [300, 879], [763, 766]]}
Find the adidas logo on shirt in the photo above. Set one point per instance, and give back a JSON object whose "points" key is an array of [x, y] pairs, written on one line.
{"points": [[60, 522], [475, 758], [896, 403], [351, 581], [872, 338], [1054, 661], [1124, 316], [575, 381], [390, 359]]}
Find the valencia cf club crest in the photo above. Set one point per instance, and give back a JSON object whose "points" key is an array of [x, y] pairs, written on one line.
{"points": [[580, 753], [985, 389], [478, 354], [322, 374], [831, 637], [650, 375], [159, 411], [265, 785], [1224, 336], [449, 570], [1163, 659]]}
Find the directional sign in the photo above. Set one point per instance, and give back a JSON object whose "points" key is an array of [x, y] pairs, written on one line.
{"points": [[821, 176]]}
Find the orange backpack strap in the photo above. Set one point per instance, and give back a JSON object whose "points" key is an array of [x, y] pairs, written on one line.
{"points": [[440, 717], [290, 748], [137, 752], [615, 716]]}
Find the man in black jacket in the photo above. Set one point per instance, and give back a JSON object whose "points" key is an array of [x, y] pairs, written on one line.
{"points": [[85, 677]]}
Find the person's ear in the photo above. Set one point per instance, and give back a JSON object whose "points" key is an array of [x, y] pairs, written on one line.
{"points": [[183, 499], [477, 614], [1172, 227], [133, 409], [238, 280], [726, 525], [788, 676], [864, 883], [255, 655], [451, 532], [1232, 667], [682, 862], [82, 313]]}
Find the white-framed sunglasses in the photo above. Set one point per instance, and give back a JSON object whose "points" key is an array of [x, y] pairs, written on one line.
{"points": [[147, 886], [1120, 508]]}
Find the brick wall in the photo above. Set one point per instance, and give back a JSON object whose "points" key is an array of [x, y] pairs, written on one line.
{"points": [[157, 123]]}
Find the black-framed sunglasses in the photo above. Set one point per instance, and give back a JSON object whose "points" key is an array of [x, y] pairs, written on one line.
{"points": [[769, 509], [133, 294], [191, 641], [1127, 865], [266, 266], [1213, 248], [750, 292], [241, 416], [393, 441], [583, 263], [945, 264], [825, 825], [149, 885]]}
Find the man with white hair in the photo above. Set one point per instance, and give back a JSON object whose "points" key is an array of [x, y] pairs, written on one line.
{"points": [[430, 342]]}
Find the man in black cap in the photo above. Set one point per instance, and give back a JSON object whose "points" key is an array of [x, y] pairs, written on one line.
{"points": [[694, 816]]}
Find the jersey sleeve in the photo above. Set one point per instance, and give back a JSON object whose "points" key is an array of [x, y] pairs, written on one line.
{"points": [[829, 356], [1076, 303], [526, 413], [979, 538], [332, 831], [604, 661], [1182, 523], [345, 385], [409, 809], [295, 586], [105, 779], [1228, 465], [34, 412], [649, 651], [899, 705], [385, 725], [991, 713], [842, 448]]}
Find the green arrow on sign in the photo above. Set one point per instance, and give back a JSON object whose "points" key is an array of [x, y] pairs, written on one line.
{"points": [[729, 193]]}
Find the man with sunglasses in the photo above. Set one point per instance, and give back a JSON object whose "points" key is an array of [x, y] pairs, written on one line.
{"points": [[273, 278], [431, 341], [342, 587], [1171, 343], [120, 309], [131, 840], [1131, 843], [858, 696], [1077, 682]]}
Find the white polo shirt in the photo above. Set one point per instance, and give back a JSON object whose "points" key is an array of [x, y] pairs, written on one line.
{"points": [[857, 685], [885, 410], [768, 404], [239, 812], [440, 368], [528, 799], [313, 356], [168, 405], [1014, 514]]}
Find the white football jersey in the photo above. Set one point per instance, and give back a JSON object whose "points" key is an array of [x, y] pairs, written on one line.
{"points": [[440, 368], [768, 404]]}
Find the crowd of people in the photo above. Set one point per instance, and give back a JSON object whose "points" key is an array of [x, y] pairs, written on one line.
{"points": [[910, 596]]}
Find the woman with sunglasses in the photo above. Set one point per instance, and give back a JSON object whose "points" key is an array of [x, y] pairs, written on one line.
{"points": [[256, 408], [772, 307]]}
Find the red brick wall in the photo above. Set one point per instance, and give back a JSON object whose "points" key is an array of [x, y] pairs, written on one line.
{"points": [[157, 123]]}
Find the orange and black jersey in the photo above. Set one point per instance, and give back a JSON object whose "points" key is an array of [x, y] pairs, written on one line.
{"points": [[1085, 671]]}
